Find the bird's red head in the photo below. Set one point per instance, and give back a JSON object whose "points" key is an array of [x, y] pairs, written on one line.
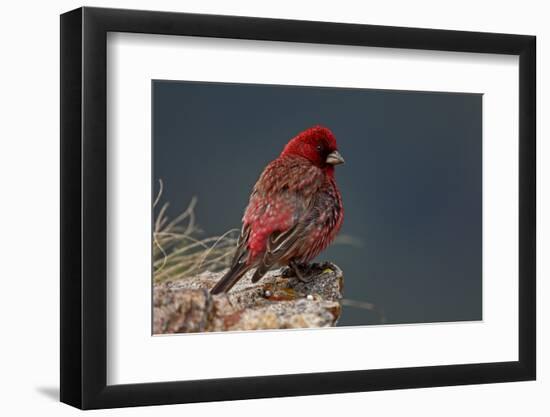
{"points": [[318, 145]]}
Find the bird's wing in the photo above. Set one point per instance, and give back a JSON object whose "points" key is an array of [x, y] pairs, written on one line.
{"points": [[279, 244], [242, 245]]}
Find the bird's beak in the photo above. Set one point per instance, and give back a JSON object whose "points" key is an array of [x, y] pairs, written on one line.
{"points": [[334, 158]]}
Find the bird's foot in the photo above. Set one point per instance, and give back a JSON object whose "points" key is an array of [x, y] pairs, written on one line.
{"points": [[301, 271], [288, 272]]}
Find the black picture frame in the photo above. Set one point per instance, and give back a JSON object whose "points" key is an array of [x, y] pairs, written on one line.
{"points": [[84, 207]]}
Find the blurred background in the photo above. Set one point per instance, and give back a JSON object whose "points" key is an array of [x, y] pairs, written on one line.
{"points": [[411, 243]]}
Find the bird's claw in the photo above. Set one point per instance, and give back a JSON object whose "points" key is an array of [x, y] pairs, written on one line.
{"points": [[304, 273], [288, 273], [300, 271]]}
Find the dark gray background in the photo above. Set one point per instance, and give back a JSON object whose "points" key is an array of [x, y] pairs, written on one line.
{"points": [[411, 184]]}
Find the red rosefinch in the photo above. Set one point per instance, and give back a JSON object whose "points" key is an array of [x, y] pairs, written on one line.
{"points": [[295, 209]]}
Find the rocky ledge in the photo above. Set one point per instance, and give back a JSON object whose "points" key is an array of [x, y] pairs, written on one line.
{"points": [[276, 302]]}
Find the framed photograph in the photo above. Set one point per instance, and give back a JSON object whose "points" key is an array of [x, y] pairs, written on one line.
{"points": [[257, 208]]}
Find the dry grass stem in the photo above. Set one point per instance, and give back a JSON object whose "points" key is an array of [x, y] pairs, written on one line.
{"points": [[178, 249]]}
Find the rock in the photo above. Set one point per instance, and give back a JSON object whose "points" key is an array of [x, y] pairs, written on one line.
{"points": [[275, 302]]}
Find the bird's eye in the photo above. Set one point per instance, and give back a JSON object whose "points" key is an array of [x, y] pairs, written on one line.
{"points": [[319, 148]]}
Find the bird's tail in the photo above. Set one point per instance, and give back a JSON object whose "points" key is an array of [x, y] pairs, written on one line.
{"points": [[230, 278]]}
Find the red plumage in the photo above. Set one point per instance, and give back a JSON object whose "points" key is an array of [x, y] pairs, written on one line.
{"points": [[295, 209]]}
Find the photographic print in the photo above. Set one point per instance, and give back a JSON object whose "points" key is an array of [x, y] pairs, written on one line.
{"points": [[259, 224]]}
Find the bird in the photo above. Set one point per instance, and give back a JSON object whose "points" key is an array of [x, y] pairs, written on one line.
{"points": [[294, 212]]}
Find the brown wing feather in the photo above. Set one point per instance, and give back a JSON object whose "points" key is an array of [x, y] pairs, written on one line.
{"points": [[238, 267], [278, 245]]}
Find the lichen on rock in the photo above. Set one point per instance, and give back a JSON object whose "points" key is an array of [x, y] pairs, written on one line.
{"points": [[275, 302]]}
